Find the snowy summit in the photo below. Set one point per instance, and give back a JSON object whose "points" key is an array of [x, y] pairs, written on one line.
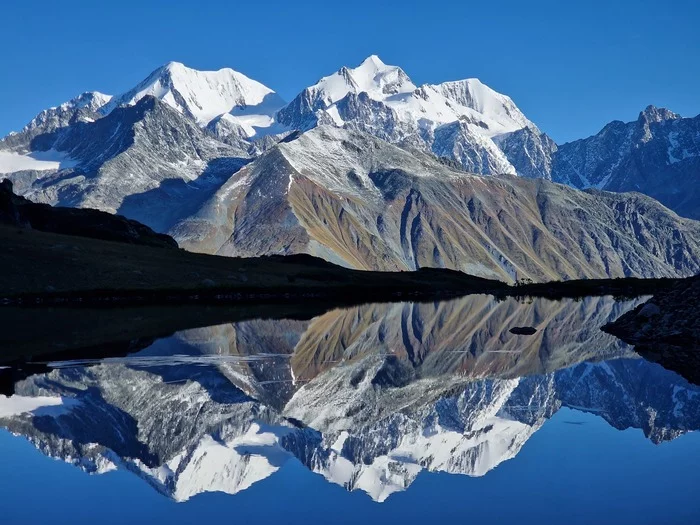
{"points": [[207, 95]]}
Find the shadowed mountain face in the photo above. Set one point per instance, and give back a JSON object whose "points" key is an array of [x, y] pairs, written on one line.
{"points": [[658, 155], [366, 397], [18, 211], [146, 161]]}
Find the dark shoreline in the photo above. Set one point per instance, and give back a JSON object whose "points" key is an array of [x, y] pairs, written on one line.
{"points": [[666, 329], [405, 286]]}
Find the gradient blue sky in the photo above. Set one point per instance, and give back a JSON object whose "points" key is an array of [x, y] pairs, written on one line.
{"points": [[570, 66]]}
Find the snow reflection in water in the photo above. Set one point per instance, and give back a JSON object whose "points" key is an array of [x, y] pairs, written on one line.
{"points": [[367, 397]]}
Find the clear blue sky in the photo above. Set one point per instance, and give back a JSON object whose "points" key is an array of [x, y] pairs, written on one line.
{"points": [[570, 66]]}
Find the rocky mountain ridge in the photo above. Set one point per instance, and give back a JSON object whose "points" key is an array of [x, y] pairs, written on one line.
{"points": [[658, 155], [360, 202], [171, 152]]}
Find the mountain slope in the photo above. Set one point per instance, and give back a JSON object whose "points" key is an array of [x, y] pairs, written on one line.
{"points": [[358, 201], [146, 161], [658, 155]]}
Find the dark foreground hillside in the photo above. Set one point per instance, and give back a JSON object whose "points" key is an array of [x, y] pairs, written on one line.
{"points": [[51, 265]]}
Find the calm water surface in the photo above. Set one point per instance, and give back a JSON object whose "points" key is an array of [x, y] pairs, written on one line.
{"points": [[392, 413]]}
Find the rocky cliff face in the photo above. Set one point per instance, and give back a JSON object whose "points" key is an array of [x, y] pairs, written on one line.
{"points": [[84, 108], [146, 161]]}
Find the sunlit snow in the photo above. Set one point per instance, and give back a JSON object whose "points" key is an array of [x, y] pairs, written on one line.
{"points": [[206, 95], [38, 406], [11, 162]]}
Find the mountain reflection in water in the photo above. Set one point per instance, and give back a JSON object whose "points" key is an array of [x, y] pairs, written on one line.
{"points": [[367, 397]]}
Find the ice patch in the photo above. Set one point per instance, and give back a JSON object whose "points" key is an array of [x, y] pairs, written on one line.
{"points": [[11, 162], [333, 112], [38, 406]]}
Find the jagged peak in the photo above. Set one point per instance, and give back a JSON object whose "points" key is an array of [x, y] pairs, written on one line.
{"points": [[92, 95], [93, 99], [371, 76], [654, 114], [374, 66]]}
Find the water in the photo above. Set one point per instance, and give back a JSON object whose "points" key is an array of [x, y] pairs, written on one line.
{"points": [[399, 413]]}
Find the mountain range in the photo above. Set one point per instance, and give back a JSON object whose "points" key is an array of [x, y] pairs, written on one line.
{"points": [[368, 170]]}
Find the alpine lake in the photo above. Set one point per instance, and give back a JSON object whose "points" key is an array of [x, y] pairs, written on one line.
{"points": [[381, 413]]}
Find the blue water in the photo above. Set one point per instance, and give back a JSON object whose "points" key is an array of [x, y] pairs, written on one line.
{"points": [[397, 413], [575, 469]]}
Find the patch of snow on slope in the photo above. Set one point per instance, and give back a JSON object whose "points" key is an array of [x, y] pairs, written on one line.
{"points": [[674, 146], [11, 162], [253, 123], [37, 406]]}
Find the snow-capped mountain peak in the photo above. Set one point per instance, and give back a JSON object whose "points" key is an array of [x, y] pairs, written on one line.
{"points": [[86, 103], [206, 95], [92, 100], [373, 60], [464, 120], [441, 103], [372, 76]]}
